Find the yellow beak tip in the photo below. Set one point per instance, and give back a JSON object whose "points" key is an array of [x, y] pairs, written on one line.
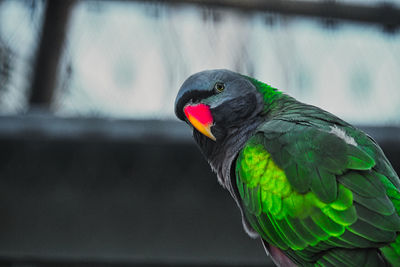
{"points": [[204, 129]]}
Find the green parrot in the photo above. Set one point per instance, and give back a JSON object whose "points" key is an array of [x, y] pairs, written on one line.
{"points": [[315, 189]]}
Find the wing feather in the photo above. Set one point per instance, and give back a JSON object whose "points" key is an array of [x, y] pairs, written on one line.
{"points": [[306, 190], [389, 223], [370, 232]]}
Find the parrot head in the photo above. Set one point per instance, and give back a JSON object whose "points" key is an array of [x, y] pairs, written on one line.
{"points": [[217, 103]]}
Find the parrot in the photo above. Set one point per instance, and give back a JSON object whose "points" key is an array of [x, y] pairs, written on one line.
{"points": [[316, 190]]}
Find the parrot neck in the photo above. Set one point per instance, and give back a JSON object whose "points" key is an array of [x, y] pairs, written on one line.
{"points": [[269, 93], [221, 154], [274, 100]]}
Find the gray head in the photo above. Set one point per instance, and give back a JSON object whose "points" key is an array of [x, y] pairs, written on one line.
{"points": [[215, 102]]}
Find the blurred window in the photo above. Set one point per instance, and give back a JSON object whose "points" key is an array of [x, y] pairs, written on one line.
{"points": [[128, 59]]}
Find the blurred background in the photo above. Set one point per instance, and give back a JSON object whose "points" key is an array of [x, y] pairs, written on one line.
{"points": [[94, 168]]}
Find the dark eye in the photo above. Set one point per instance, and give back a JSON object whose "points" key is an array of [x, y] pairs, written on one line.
{"points": [[219, 87]]}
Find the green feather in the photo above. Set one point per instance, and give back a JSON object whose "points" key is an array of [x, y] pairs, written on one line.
{"points": [[358, 159], [372, 259], [292, 236], [335, 242], [314, 229], [276, 204], [355, 240], [296, 176], [358, 183], [281, 158], [331, 260], [273, 147], [375, 179], [391, 255], [280, 232], [307, 255], [352, 257], [327, 224], [245, 196], [389, 222], [344, 199], [369, 232], [324, 263], [255, 200], [323, 246], [324, 185], [271, 232], [381, 205], [302, 231], [342, 217]]}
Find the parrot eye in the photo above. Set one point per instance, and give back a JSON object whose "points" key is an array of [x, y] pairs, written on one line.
{"points": [[219, 87]]}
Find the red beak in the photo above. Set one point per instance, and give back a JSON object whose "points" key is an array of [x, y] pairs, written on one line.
{"points": [[199, 115]]}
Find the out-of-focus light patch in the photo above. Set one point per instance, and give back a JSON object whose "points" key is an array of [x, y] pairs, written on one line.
{"points": [[208, 43], [15, 26], [116, 63]]}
